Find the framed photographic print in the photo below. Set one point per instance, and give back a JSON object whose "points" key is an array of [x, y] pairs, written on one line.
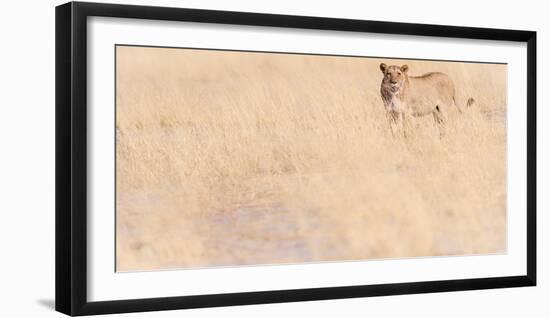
{"points": [[211, 158]]}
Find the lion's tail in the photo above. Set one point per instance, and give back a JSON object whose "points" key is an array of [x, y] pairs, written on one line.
{"points": [[469, 103]]}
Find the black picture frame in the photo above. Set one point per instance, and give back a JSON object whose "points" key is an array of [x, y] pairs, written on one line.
{"points": [[71, 157]]}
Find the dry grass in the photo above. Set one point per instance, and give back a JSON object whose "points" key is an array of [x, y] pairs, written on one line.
{"points": [[232, 158]]}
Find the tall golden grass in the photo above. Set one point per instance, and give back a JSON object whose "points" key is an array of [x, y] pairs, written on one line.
{"points": [[234, 158]]}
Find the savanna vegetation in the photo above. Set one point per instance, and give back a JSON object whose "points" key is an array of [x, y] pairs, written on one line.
{"points": [[236, 158]]}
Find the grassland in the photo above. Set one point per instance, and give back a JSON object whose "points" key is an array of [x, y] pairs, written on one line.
{"points": [[234, 158]]}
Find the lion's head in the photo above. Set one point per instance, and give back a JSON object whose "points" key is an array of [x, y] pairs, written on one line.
{"points": [[394, 77]]}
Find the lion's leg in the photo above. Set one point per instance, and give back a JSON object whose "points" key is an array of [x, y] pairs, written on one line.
{"points": [[397, 123], [440, 118], [401, 124], [393, 118]]}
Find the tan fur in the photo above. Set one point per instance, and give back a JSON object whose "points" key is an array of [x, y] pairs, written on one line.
{"points": [[404, 95]]}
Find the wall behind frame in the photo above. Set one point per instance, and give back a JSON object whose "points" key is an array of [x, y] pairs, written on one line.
{"points": [[27, 161]]}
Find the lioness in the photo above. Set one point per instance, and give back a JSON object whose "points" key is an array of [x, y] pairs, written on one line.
{"points": [[404, 95]]}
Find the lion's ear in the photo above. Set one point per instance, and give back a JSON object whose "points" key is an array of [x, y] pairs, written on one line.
{"points": [[404, 68], [383, 67]]}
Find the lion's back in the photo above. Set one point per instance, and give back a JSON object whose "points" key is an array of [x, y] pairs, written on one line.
{"points": [[433, 83]]}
